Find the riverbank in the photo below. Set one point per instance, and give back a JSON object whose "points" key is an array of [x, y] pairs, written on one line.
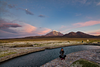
{"points": [[90, 55], [12, 52]]}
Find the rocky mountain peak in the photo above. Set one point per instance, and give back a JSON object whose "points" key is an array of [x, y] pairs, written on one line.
{"points": [[54, 33]]}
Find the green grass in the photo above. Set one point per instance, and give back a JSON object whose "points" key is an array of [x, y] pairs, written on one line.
{"points": [[84, 63], [6, 54]]}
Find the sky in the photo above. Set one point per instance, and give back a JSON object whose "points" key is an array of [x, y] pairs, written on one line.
{"points": [[22, 18]]}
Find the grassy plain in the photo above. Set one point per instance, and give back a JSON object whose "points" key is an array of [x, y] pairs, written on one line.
{"points": [[48, 39]]}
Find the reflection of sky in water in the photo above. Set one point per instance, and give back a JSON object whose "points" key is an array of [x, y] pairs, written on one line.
{"points": [[40, 58]]}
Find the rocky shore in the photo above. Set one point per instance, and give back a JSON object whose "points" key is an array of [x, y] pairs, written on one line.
{"points": [[91, 55]]}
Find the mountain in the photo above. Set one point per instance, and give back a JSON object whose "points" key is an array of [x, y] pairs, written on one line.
{"points": [[54, 33], [78, 35]]}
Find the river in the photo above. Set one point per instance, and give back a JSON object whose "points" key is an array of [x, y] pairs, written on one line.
{"points": [[39, 58]]}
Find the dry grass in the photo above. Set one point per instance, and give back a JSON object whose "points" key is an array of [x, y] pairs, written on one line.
{"points": [[48, 39]]}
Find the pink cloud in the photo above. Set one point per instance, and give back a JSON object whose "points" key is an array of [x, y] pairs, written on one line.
{"points": [[88, 23], [64, 29], [88, 17], [23, 31], [44, 31], [28, 28], [94, 32], [98, 3]]}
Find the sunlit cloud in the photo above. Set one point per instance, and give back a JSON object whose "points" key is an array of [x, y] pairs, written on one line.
{"points": [[88, 23], [27, 28], [98, 3], [23, 31], [46, 30], [94, 32], [78, 25]]}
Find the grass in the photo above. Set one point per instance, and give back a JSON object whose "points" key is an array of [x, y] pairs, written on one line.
{"points": [[48, 39], [84, 63], [23, 45], [6, 54]]}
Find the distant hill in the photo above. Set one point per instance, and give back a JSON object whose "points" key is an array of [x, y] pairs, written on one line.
{"points": [[54, 33], [78, 35]]}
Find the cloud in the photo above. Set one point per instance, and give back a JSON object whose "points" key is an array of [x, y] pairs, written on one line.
{"points": [[88, 17], [4, 8], [98, 3], [28, 12], [7, 24], [62, 27], [78, 1], [41, 15], [23, 31], [44, 31], [78, 25], [94, 32], [88, 23], [27, 28], [11, 6]]}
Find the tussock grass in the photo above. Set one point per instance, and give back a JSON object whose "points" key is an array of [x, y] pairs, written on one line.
{"points": [[6, 54], [84, 63]]}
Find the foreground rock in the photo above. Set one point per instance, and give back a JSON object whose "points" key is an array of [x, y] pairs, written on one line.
{"points": [[91, 55]]}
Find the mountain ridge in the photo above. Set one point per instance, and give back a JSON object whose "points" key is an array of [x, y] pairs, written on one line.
{"points": [[78, 34]]}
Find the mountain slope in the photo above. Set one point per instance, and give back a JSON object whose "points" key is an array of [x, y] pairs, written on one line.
{"points": [[78, 35]]}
